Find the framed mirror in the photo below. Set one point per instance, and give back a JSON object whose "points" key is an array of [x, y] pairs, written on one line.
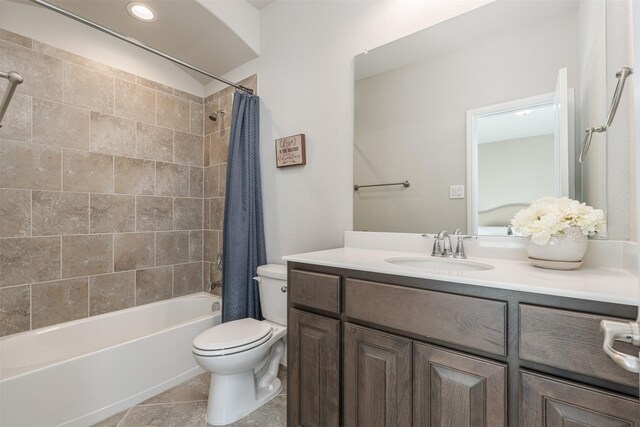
{"points": [[438, 109]]}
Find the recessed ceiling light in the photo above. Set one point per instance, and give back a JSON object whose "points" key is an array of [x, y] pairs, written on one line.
{"points": [[142, 12], [523, 113]]}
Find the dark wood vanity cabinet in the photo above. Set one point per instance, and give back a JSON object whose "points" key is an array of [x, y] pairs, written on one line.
{"points": [[377, 378], [550, 402], [456, 389], [313, 370], [371, 350], [473, 322], [571, 341], [394, 381]]}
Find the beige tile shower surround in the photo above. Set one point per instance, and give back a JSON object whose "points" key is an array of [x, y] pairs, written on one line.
{"points": [[105, 188]]}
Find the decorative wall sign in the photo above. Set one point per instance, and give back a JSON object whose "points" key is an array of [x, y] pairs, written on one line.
{"points": [[290, 151]]}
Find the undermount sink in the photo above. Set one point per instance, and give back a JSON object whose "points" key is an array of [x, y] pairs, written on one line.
{"points": [[435, 264]]}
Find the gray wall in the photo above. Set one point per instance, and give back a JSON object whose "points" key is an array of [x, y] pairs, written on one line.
{"points": [[620, 137]]}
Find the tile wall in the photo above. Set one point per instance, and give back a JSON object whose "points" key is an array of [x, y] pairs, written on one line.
{"points": [[103, 196], [216, 148]]}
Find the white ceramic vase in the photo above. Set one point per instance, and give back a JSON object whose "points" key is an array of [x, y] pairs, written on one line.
{"points": [[567, 247]]}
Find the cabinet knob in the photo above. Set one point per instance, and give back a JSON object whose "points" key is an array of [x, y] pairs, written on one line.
{"points": [[283, 289]]}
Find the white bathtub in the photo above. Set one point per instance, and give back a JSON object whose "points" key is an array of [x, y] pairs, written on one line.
{"points": [[81, 372]]}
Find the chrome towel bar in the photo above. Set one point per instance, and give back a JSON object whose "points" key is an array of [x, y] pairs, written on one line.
{"points": [[405, 184], [622, 75], [14, 80]]}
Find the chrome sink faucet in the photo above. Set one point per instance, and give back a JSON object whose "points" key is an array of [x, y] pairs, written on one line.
{"points": [[444, 249], [442, 246]]}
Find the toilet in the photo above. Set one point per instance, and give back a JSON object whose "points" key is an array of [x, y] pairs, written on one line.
{"points": [[244, 355]]}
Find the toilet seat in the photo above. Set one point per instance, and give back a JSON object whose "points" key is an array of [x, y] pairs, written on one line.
{"points": [[232, 337]]}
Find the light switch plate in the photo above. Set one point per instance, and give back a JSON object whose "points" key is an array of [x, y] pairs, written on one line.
{"points": [[456, 192]]}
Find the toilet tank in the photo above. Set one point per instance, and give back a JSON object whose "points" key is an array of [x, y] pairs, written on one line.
{"points": [[273, 301]]}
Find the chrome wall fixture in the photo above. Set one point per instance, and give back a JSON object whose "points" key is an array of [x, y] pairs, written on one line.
{"points": [[405, 184], [214, 116], [14, 80], [136, 43], [622, 75]]}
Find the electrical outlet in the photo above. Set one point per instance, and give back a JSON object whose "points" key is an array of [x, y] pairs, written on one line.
{"points": [[456, 191]]}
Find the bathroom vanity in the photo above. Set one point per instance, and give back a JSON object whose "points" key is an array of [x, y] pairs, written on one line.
{"points": [[378, 345]]}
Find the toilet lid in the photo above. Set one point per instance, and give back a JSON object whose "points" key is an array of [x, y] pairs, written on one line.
{"points": [[232, 350], [238, 333]]}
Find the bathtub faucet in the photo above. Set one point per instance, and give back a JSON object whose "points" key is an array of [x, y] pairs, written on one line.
{"points": [[214, 285]]}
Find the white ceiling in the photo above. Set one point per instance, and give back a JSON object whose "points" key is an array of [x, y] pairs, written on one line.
{"points": [[184, 29]]}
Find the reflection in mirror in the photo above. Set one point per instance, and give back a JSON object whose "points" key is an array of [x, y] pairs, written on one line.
{"points": [[516, 154], [515, 163], [412, 97]]}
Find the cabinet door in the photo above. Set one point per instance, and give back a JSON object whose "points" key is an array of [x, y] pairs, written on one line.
{"points": [[554, 403], [377, 378], [314, 370], [454, 389]]}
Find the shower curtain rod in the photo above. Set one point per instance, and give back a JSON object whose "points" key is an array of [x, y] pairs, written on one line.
{"points": [[134, 42]]}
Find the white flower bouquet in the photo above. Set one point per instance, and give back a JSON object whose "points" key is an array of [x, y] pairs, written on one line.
{"points": [[552, 216]]}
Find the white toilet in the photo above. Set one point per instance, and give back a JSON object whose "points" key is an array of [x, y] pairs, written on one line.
{"points": [[243, 356]]}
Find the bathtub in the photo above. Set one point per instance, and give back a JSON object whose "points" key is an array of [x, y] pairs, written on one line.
{"points": [[81, 372]]}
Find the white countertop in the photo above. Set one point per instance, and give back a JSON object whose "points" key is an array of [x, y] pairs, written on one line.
{"points": [[615, 285]]}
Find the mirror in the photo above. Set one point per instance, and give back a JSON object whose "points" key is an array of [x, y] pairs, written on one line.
{"points": [[517, 152], [481, 115]]}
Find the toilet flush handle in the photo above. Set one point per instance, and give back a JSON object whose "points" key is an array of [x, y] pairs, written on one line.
{"points": [[282, 289]]}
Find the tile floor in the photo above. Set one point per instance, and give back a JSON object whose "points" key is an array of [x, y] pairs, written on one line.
{"points": [[185, 405]]}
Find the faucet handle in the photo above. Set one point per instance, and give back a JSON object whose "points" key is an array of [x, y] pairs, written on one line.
{"points": [[460, 249], [459, 253], [437, 250]]}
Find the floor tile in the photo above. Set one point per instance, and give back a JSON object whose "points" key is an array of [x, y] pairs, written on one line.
{"points": [[196, 389], [187, 414], [185, 405], [272, 414]]}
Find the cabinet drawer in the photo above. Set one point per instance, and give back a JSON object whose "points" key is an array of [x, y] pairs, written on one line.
{"points": [[547, 402], [314, 290], [471, 322], [569, 340]]}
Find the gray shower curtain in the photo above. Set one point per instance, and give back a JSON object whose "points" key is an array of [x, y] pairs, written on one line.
{"points": [[244, 247]]}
